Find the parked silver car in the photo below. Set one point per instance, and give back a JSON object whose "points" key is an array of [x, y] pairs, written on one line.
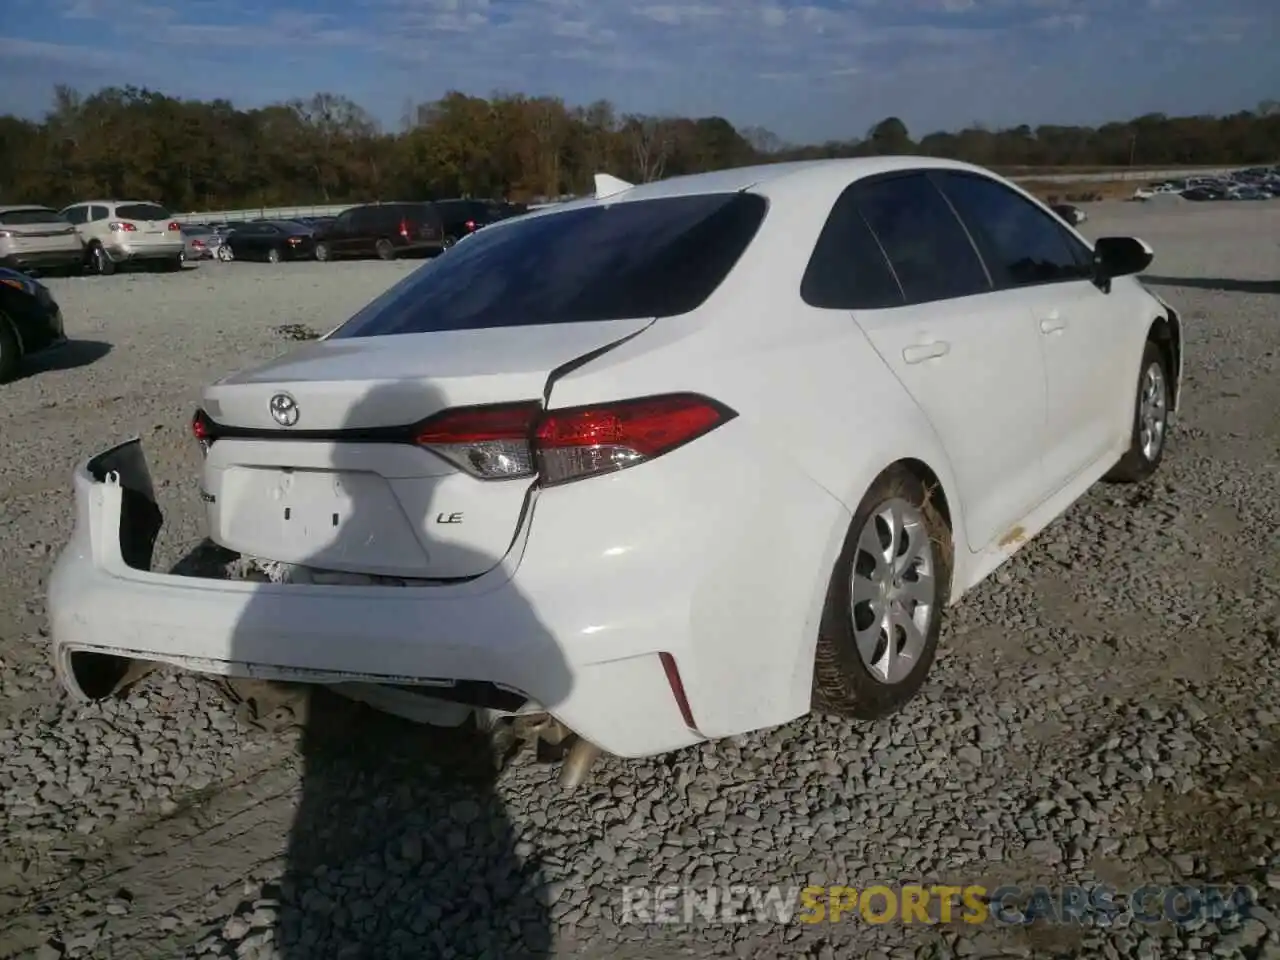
{"points": [[202, 241], [38, 238]]}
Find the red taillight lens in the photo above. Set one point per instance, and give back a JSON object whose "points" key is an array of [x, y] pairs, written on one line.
{"points": [[202, 429], [471, 225], [404, 228], [294, 241], [119, 226], [586, 441], [197, 243], [490, 442], [507, 441], [175, 226]]}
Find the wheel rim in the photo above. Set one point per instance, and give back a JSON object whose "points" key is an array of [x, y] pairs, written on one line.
{"points": [[893, 596], [1152, 412], [99, 259], [274, 256], [322, 252]]}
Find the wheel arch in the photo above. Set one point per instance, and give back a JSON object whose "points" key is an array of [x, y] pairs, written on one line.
{"points": [[1166, 332], [12, 324]]}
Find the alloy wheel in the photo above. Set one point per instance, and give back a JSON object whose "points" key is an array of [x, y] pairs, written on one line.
{"points": [[893, 595]]}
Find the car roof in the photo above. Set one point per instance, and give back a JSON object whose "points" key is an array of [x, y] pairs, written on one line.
{"points": [[14, 207]]}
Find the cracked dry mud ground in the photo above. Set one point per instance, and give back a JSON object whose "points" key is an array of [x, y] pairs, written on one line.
{"points": [[1107, 707]]}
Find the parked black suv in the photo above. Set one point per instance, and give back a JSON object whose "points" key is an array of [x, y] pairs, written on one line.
{"points": [[386, 230]]}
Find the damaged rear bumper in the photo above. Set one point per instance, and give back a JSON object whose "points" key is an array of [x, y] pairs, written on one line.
{"points": [[109, 612]]}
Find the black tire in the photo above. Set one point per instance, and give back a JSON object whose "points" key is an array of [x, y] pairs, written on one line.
{"points": [[385, 250], [448, 241], [842, 683], [1142, 460], [100, 262], [10, 351], [225, 253], [173, 264], [323, 253], [273, 255]]}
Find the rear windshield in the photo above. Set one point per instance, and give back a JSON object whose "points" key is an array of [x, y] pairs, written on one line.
{"points": [[31, 215], [141, 211], [646, 258], [197, 229]]}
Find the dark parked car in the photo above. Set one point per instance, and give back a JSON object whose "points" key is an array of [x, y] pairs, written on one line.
{"points": [[461, 217], [30, 321], [386, 230], [270, 240], [1069, 213], [1204, 193]]}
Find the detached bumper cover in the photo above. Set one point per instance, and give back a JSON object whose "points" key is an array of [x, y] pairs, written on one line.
{"points": [[104, 599]]}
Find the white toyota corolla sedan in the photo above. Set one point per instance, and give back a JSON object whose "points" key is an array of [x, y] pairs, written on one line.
{"points": [[675, 462]]}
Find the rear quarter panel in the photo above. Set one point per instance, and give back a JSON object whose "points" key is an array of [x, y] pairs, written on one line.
{"points": [[813, 399]]}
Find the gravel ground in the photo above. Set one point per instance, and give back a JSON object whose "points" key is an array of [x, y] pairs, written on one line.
{"points": [[1105, 709]]}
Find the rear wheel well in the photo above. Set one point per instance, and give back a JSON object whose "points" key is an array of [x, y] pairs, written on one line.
{"points": [[933, 486], [1165, 336]]}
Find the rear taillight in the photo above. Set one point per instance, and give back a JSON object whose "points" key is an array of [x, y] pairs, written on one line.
{"points": [[197, 243], [294, 241], [471, 226], [202, 430], [404, 228], [175, 226], [508, 441], [119, 226]]}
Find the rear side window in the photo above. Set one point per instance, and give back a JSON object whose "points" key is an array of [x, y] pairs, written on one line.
{"points": [[142, 211], [926, 244], [76, 214], [98, 213], [30, 216], [848, 270], [1022, 244], [645, 258]]}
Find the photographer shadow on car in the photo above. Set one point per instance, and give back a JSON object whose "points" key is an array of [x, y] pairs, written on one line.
{"points": [[401, 845]]}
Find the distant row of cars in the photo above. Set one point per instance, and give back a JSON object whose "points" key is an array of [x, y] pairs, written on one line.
{"points": [[384, 230], [1255, 183], [101, 235]]}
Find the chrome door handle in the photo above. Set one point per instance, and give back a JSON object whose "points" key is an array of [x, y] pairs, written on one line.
{"points": [[926, 351]]}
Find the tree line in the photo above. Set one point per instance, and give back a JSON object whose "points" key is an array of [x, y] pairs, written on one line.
{"points": [[193, 154]]}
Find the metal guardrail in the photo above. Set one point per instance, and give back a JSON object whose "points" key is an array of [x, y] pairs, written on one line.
{"points": [[333, 209]]}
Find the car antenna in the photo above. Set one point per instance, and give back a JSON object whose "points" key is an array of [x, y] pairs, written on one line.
{"points": [[607, 186]]}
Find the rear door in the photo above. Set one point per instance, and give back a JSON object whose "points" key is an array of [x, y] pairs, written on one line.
{"points": [[338, 233], [968, 354], [1080, 328]]}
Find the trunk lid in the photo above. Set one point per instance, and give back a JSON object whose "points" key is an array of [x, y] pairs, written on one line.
{"points": [[331, 492]]}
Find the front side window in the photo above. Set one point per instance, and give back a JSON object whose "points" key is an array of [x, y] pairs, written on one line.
{"points": [[643, 258], [1022, 244], [927, 246]]}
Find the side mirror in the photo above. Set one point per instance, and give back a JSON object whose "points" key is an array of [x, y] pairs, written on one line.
{"points": [[1119, 257]]}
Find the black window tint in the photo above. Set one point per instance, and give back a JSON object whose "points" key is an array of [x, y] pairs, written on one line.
{"points": [[142, 211], [925, 243], [646, 258], [29, 216], [1021, 243], [75, 214], [365, 218], [97, 213], [848, 270]]}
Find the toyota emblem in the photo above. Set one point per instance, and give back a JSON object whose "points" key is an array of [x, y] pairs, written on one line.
{"points": [[284, 410]]}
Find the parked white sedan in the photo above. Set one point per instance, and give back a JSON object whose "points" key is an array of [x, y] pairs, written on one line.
{"points": [[672, 463]]}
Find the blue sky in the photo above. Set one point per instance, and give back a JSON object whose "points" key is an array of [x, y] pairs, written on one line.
{"points": [[806, 69]]}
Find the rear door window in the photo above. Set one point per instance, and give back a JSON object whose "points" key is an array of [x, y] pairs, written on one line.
{"points": [[645, 258], [97, 213], [1022, 244], [30, 216], [142, 211], [75, 214], [848, 270], [926, 244]]}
